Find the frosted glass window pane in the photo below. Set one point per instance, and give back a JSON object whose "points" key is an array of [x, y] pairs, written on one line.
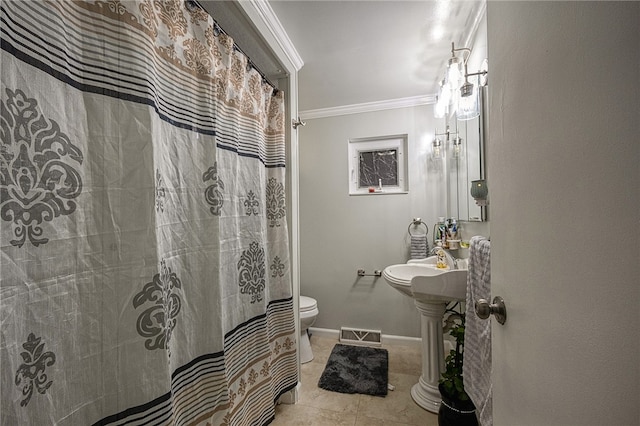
{"points": [[378, 165]]}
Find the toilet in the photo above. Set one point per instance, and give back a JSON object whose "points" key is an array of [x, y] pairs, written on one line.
{"points": [[308, 314]]}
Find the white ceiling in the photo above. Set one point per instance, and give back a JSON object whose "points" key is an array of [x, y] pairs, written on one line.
{"points": [[359, 51], [362, 51]]}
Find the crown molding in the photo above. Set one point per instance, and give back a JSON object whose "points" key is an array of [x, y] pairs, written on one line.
{"points": [[269, 18], [368, 107], [475, 24]]}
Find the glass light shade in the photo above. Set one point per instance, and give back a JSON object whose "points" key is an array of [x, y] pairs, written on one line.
{"points": [[454, 73], [439, 108], [469, 106], [445, 94], [437, 143], [457, 146]]}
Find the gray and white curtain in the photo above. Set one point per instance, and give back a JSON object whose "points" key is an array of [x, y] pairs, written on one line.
{"points": [[145, 274]]}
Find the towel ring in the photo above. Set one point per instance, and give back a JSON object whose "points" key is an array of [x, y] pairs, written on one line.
{"points": [[417, 222]]}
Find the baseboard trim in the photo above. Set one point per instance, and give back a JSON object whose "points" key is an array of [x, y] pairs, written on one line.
{"points": [[387, 339]]}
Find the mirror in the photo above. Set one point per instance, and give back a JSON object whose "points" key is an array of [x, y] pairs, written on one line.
{"points": [[466, 163]]}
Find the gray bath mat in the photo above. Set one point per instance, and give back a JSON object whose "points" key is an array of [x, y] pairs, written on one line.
{"points": [[356, 369]]}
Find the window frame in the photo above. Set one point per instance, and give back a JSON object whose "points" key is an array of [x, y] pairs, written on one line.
{"points": [[379, 143]]}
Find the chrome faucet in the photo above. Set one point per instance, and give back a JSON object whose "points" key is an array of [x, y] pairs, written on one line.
{"points": [[452, 261]]}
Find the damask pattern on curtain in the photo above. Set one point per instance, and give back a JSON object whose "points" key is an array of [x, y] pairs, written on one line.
{"points": [[145, 274]]}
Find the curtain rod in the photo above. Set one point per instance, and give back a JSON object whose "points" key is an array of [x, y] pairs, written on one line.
{"points": [[190, 4]]}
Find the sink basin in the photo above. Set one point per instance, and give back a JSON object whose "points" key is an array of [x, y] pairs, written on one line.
{"points": [[422, 281], [431, 288]]}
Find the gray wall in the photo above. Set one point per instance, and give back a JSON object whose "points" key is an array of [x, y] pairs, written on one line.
{"points": [[340, 233]]}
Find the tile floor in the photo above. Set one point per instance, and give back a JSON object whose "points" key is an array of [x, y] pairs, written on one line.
{"points": [[318, 407]]}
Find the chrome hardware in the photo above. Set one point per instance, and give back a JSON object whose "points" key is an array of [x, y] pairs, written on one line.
{"points": [[417, 222], [297, 122], [376, 273], [452, 261], [497, 308]]}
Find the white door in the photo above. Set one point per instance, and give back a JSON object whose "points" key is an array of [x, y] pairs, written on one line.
{"points": [[564, 185]]}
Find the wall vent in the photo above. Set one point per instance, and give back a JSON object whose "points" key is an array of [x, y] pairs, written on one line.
{"points": [[354, 336]]}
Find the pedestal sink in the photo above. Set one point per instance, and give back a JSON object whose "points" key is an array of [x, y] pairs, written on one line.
{"points": [[431, 288]]}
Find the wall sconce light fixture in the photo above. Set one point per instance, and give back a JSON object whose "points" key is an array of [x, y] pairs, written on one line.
{"points": [[469, 103], [467, 87], [443, 100], [454, 67], [463, 95], [479, 191], [436, 145], [456, 143], [457, 146]]}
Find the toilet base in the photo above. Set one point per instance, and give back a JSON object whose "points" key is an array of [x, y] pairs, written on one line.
{"points": [[306, 354]]}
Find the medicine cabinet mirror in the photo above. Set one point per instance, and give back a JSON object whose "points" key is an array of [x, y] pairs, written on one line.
{"points": [[465, 163]]}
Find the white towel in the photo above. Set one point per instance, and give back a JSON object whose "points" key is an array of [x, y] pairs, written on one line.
{"points": [[477, 334], [419, 246]]}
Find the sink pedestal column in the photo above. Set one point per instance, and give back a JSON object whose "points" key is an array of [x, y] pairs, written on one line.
{"points": [[425, 393]]}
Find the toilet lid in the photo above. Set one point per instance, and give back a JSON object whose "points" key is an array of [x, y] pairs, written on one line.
{"points": [[307, 303]]}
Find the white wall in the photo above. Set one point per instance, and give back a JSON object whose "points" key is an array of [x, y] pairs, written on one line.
{"points": [[340, 233], [565, 182]]}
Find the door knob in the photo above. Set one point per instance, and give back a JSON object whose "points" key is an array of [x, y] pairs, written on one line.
{"points": [[497, 308]]}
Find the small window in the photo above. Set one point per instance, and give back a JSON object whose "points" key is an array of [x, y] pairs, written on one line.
{"points": [[378, 165]]}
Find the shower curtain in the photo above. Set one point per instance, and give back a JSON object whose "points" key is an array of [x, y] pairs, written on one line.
{"points": [[145, 273]]}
